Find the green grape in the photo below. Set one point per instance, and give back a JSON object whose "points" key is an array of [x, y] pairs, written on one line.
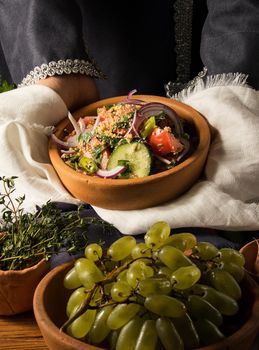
{"points": [[182, 241], [138, 271], [100, 329], [149, 271], [205, 250], [225, 304], [231, 255], [82, 325], [173, 258], [185, 328], [71, 280], [168, 335], [113, 337], [75, 299], [157, 234], [224, 282], [164, 271], [147, 338], [121, 314], [141, 250], [88, 272], [235, 270], [109, 264], [122, 276], [121, 248], [120, 291], [107, 288], [97, 295], [185, 277], [93, 251], [198, 307], [154, 285], [164, 305], [208, 332], [128, 336]]}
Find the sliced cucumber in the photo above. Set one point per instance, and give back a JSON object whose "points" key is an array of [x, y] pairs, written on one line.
{"points": [[136, 154]]}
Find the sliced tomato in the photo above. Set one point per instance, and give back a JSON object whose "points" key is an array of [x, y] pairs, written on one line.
{"points": [[89, 120], [163, 142], [105, 157]]}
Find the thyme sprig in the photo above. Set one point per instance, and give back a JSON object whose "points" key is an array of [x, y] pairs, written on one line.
{"points": [[5, 86], [26, 238]]}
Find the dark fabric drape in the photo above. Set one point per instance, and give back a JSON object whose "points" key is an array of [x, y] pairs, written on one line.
{"points": [[133, 45], [230, 38]]}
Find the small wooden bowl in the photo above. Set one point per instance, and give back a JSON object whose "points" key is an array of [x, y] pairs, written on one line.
{"points": [[127, 194], [50, 300], [251, 254], [17, 288]]}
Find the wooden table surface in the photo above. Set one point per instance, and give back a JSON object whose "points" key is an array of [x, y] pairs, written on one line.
{"points": [[20, 333]]}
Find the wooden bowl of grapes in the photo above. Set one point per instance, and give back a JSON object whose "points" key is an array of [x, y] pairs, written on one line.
{"points": [[167, 292], [130, 152]]}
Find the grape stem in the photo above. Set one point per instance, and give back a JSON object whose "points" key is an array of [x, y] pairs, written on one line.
{"points": [[85, 305], [82, 308]]}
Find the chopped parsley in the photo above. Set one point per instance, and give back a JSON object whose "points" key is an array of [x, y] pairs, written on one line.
{"points": [[124, 122], [85, 137], [111, 141], [97, 153]]}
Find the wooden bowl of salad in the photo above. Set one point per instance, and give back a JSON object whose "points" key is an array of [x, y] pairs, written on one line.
{"points": [[130, 152]]}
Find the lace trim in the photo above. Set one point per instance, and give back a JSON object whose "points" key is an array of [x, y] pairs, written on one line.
{"points": [[172, 89], [203, 82], [60, 67]]}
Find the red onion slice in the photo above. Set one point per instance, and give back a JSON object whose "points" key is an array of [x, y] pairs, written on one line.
{"points": [[67, 151], [132, 130], [132, 92], [130, 100], [107, 174], [97, 121], [186, 144], [154, 108], [81, 124], [74, 123], [59, 142], [162, 159], [72, 140]]}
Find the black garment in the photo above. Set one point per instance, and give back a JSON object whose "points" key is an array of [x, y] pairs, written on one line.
{"points": [[134, 46], [230, 38]]}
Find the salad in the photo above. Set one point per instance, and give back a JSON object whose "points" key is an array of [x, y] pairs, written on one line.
{"points": [[129, 139]]}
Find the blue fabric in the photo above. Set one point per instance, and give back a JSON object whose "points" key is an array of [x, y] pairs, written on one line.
{"points": [[97, 234]]}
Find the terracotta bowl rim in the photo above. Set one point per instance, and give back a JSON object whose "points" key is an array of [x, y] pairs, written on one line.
{"points": [[204, 140], [26, 269], [41, 315], [250, 326]]}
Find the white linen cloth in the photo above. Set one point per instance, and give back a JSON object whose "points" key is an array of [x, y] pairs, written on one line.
{"points": [[226, 198]]}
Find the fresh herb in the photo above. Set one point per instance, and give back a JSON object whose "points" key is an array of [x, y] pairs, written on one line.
{"points": [[26, 238], [124, 122], [172, 164], [97, 153], [112, 141], [160, 117], [186, 136], [85, 137], [5, 86], [124, 162], [109, 106]]}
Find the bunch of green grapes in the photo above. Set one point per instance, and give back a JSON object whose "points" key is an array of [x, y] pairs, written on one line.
{"points": [[168, 292]]}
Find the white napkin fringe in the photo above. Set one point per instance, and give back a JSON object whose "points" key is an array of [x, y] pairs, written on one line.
{"points": [[200, 84]]}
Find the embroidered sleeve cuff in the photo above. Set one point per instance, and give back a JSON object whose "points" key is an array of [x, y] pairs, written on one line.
{"points": [[61, 67]]}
